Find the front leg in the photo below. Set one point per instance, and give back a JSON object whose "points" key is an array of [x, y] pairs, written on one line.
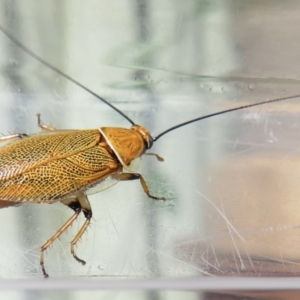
{"points": [[135, 176]]}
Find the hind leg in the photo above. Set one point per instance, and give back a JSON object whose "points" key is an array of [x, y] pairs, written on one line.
{"points": [[13, 136], [43, 126]]}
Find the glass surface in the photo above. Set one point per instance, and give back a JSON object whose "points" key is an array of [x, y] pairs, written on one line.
{"points": [[231, 182]]}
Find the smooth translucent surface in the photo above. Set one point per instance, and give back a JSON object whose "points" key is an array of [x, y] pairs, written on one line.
{"points": [[231, 182]]}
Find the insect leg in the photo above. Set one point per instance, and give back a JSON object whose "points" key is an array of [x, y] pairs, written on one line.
{"points": [[77, 208], [87, 211], [135, 176], [43, 126], [159, 158], [13, 136]]}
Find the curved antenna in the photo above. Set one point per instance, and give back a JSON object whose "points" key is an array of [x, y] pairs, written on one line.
{"points": [[42, 61], [220, 113]]}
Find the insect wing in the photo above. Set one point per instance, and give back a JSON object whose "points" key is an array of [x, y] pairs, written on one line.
{"points": [[52, 166]]}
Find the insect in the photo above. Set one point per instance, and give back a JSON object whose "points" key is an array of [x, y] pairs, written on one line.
{"points": [[68, 165]]}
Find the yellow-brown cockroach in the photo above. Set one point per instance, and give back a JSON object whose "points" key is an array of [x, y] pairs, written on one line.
{"points": [[69, 165]]}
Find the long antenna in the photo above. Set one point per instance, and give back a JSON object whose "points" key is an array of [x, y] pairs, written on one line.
{"points": [[42, 61], [222, 112]]}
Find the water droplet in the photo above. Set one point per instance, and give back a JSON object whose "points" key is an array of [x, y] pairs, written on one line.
{"points": [[251, 86]]}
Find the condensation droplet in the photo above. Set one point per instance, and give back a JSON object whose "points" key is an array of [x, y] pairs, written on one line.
{"points": [[251, 86]]}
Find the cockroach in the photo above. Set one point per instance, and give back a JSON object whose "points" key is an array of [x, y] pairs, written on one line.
{"points": [[68, 165]]}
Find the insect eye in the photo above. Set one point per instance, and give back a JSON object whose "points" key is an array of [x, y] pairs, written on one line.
{"points": [[149, 142]]}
